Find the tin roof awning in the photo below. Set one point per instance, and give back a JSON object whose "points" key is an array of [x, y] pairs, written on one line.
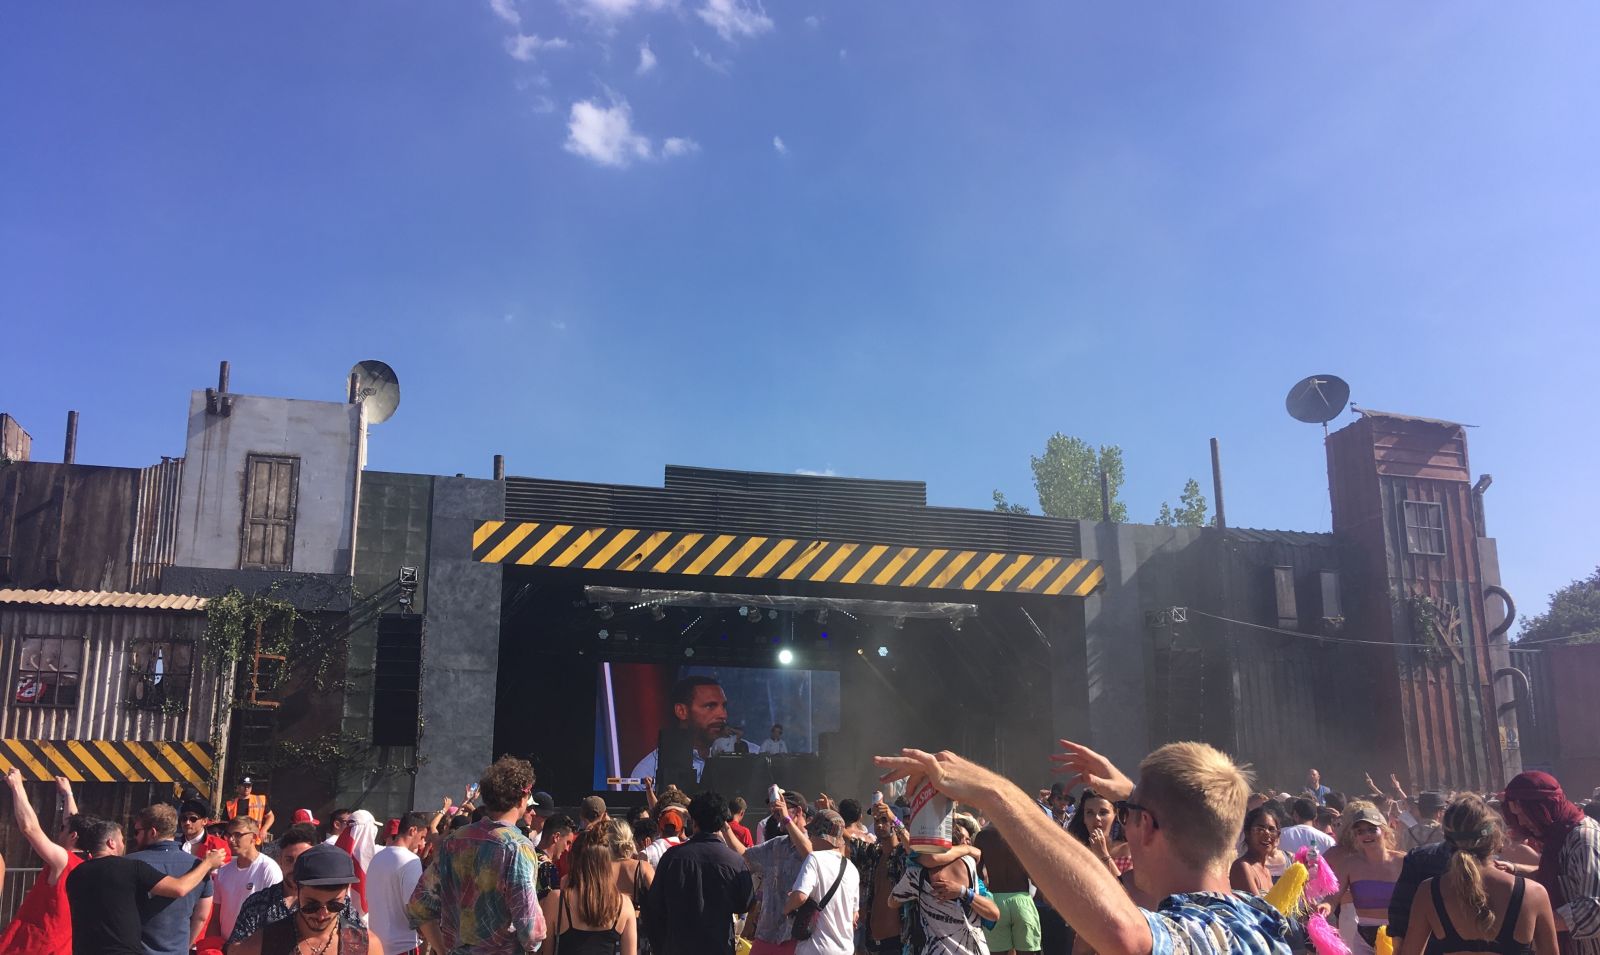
{"points": [[103, 598], [1374, 413]]}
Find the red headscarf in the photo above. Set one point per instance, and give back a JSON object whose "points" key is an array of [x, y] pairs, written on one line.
{"points": [[1551, 817]]}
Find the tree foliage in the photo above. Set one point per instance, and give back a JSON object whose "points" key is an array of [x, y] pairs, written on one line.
{"points": [[1573, 614], [1067, 479], [1191, 509]]}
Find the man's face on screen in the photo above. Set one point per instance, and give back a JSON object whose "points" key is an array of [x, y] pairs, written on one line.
{"points": [[706, 716]]}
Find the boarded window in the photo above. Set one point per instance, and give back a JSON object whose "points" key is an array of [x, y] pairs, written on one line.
{"points": [[48, 671], [1424, 528], [396, 679], [271, 490], [1331, 605], [1283, 595], [159, 675]]}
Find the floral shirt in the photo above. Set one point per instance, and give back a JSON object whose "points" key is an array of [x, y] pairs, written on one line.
{"points": [[481, 890], [268, 906], [1209, 923]]}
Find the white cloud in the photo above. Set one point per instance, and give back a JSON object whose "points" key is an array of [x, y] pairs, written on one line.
{"points": [[507, 11], [558, 326], [605, 134], [733, 19], [543, 105], [725, 67], [779, 147], [813, 21], [678, 146], [647, 59], [525, 47], [610, 11], [825, 472]]}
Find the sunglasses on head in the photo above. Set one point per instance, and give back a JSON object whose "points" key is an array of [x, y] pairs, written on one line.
{"points": [[312, 907]]}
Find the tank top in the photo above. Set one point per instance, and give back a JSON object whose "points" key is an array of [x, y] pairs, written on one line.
{"points": [[577, 941], [281, 937], [43, 923], [1504, 944]]}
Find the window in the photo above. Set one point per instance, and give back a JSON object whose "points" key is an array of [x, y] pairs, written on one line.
{"points": [[1331, 605], [48, 670], [1424, 528], [271, 490], [159, 675], [1283, 595]]}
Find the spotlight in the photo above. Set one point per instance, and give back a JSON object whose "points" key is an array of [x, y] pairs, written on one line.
{"points": [[605, 612], [900, 623], [744, 611], [883, 651], [785, 656], [822, 617], [688, 651], [772, 614], [657, 614], [755, 615], [605, 634], [956, 622]]}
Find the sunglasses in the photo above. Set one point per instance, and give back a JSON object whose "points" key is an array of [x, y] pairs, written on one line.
{"points": [[191, 818], [1127, 807], [1269, 830], [313, 907]]}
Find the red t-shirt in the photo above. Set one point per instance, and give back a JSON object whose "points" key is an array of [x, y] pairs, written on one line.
{"points": [[743, 834]]}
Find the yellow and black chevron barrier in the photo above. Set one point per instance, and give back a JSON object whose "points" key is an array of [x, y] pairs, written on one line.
{"points": [[751, 556], [110, 761]]}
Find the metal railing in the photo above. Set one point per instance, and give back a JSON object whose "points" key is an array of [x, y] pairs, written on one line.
{"points": [[18, 882]]}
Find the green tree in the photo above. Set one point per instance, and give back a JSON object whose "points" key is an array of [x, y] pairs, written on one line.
{"points": [[1067, 478], [1006, 507], [1191, 510], [1573, 614]]}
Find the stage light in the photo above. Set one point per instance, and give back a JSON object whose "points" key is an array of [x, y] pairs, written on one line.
{"points": [[786, 656], [883, 651], [688, 651], [822, 617], [900, 623], [772, 614], [956, 622], [744, 611], [605, 634], [824, 635], [605, 612], [859, 652], [657, 614]]}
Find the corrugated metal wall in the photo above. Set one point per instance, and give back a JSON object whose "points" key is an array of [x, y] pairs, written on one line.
{"points": [[155, 523], [1445, 704], [102, 711]]}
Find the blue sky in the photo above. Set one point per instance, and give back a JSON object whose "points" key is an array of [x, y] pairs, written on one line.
{"points": [[985, 222]]}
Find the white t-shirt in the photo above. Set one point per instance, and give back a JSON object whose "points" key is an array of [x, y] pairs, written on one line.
{"points": [[774, 747], [835, 929], [655, 850], [394, 872], [234, 885], [1294, 838], [723, 745]]}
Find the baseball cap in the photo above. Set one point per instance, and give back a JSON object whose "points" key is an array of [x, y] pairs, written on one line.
{"points": [[245, 781], [544, 804], [827, 825], [1368, 815], [592, 807], [1430, 801], [305, 815], [324, 865], [392, 828]]}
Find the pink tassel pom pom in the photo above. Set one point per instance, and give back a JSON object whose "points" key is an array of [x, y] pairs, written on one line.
{"points": [[1324, 937], [1324, 881]]}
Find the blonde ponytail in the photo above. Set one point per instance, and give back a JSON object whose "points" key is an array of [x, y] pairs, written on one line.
{"points": [[1474, 833], [1464, 879]]}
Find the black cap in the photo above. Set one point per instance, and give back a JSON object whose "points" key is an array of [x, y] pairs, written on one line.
{"points": [[1430, 801], [544, 804], [324, 865], [197, 806]]}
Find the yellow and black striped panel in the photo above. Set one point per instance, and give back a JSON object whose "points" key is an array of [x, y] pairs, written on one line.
{"points": [[110, 761], [751, 556]]}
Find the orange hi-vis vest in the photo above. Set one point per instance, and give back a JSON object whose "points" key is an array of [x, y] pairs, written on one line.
{"points": [[256, 808]]}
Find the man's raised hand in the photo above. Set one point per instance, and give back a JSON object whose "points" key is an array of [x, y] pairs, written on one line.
{"points": [[960, 779], [1088, 768]]}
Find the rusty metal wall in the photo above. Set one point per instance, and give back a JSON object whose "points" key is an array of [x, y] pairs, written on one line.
{"points": [[1445, 705], [155, 523], [102, 711], [66, 526], [1561, 734]]}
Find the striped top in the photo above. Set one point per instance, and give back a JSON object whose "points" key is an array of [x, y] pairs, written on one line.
{"points": [[1580, 881]]}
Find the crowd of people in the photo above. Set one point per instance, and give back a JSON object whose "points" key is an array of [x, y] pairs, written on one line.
{"points": [[1182, 859]]}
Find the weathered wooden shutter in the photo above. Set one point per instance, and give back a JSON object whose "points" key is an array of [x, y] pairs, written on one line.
{"points": [[271, 491]]}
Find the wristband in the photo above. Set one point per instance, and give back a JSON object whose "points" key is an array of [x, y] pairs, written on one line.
{"points": [[967, 895]]}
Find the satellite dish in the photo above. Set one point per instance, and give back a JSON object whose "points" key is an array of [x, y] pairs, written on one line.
{"points": [[1318, 399], [375, 385]]}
